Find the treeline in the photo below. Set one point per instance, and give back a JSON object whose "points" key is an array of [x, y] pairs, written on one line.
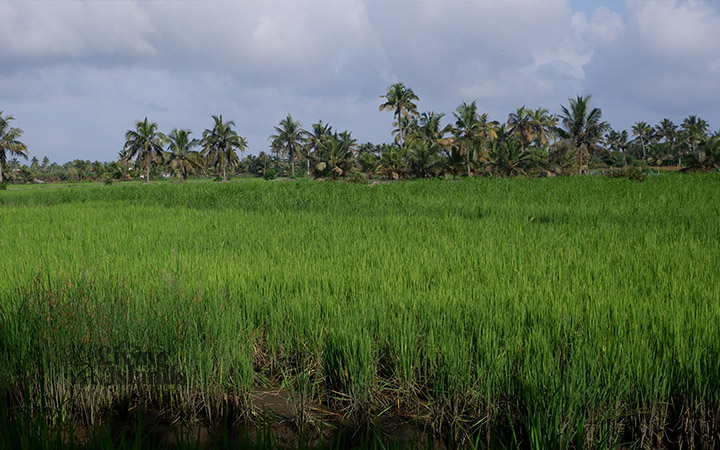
{"points": [[531, 142]]}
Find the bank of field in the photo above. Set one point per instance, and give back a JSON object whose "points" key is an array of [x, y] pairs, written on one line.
{"points": [[541, 313]]}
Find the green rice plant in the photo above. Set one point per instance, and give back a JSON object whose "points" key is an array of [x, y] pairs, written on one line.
{"points": [[560, 312]]}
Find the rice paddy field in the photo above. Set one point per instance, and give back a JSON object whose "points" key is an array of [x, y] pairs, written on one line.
{"points": [[578, 312]]}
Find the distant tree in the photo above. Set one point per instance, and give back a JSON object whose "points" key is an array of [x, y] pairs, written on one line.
{"points": [[618, 141], [348, 141], [45, 162], [470, 130], [288, 140], [521, 125], [542, 123], [423, 160], [582, 128], [403, 127], [643, 132], [314, 140], [509, 158], [693, 132], [81, 167], [668, 131], [180, 157], [145, 144], [220, 144], [9, 141], [336, 157], [392, 162], [428, 128], [707, 156], [400, 101], [453, 161], [368, 158]]}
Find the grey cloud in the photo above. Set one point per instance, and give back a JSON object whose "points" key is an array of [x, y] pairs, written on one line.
{"points": [[666, 62], [42, 31], [76, 75]]}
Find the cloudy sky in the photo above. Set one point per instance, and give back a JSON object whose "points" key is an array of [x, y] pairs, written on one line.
{"points": [[77, 75]]}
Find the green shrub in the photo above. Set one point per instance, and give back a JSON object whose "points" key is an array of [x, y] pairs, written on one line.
{"points": [[270, 174]]}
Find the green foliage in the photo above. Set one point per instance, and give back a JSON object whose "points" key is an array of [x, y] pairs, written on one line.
{"points": [[400, 100], [631, 173], [270, 174], [220, 145], [10, 143], [560, 309], [288, 140], [145, 144]]}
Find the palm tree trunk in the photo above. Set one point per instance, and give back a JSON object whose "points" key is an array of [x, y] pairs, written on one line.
{"points": [[147, 174], [467, 159], [1, 173], [292, 168], [307, 174], [224, 172], [579, 152], [642, 143], [398, 113]]}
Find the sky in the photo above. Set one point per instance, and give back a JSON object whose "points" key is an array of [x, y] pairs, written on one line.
{"points": [[76, 75]]}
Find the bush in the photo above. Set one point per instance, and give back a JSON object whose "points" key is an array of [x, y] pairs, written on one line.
{"points": [[270, 174], [358, 178], [631, 173]]}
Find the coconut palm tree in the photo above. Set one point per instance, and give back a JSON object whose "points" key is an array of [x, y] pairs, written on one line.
{"points": [[428, 129], [542, 123], [392, 162], [509, 158], [181, 159], [693, 132], [471, 130], [618, 141], [399, 100], [314, 139], [347, 141], [403, 128], [467, 130], [423, 160], [145, 144], [666, 130], [643, 132], [289, 140], [520, 124], [707, 156], [9, 141], [582, 128], [337, 156], [220, 144]]}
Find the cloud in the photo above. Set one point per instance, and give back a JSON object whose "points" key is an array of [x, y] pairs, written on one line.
{"points": [[665, 62], [76, 75], [47, 31]]}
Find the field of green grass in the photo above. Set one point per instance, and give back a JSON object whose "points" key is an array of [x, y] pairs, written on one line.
{"points": [[544, 313]]}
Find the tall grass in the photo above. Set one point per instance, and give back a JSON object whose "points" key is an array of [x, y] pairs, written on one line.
{"points": [[556, 312]]}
